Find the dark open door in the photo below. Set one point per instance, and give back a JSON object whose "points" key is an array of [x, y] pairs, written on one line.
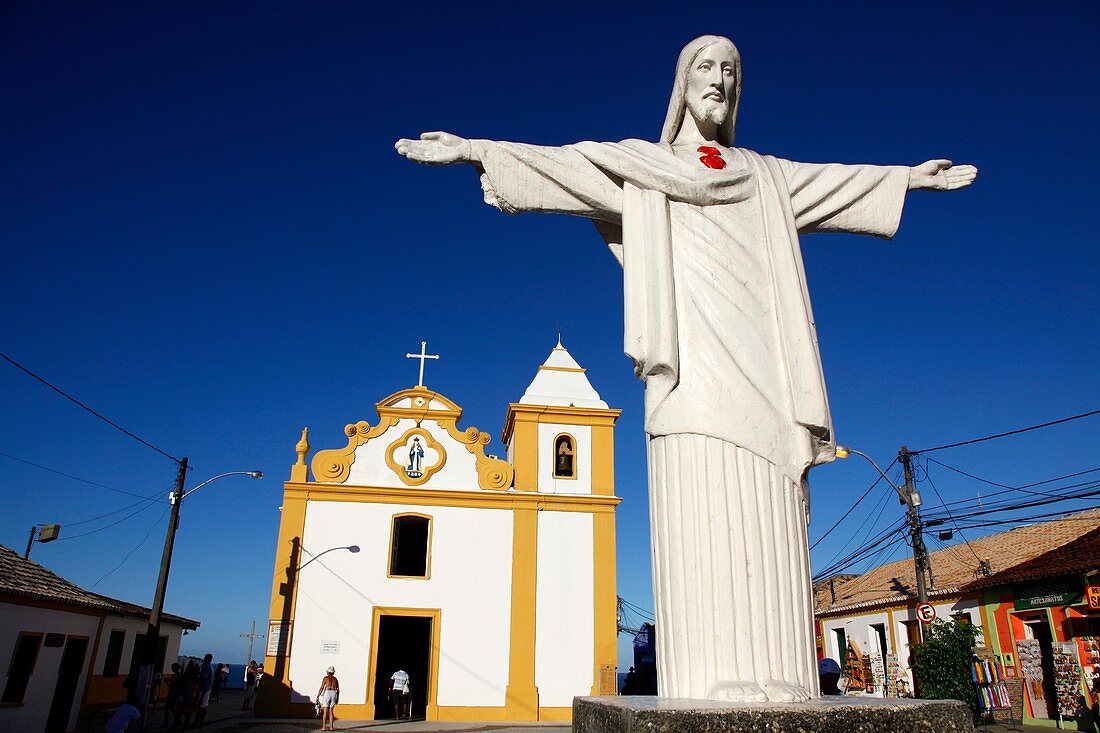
{"points": [[64, 693]]}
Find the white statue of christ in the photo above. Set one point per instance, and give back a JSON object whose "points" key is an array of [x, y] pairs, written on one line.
{"points": [[719, 325]]}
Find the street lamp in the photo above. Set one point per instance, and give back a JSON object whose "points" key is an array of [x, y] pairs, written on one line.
{"points": [[152, 636], [350, 548], [45, 532], [910, 497]]}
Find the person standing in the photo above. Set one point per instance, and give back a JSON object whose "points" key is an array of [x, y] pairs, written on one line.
{"points": [[399, 692], [249, 685], [171, 702], [215, 691], [327, 697], [206, 688]]}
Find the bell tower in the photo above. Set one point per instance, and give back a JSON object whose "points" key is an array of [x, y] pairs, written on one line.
{"points": [[560, 436]]}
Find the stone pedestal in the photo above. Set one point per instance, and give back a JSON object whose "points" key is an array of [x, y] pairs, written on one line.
{"points": [[824, 715]]}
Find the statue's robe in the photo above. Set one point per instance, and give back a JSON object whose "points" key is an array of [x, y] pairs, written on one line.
{"points": [[719, 324]]}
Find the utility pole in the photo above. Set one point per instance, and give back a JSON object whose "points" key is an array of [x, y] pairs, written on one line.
{"points": [[152, 636], [251, 636], [913, 502]]}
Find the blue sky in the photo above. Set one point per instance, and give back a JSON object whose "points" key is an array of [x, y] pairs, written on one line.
{"points": [[208, 237]]}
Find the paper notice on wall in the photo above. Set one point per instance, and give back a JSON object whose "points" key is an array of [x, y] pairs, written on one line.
{"points": [[278, 635], [1031, 669]]}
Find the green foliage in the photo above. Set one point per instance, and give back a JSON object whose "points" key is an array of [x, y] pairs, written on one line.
{"points": [[942, 662]]}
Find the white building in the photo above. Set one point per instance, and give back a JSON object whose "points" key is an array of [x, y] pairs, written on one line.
{"points": [[490, 581], [65, 650]]}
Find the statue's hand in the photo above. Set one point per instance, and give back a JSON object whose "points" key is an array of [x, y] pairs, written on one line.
{"points": [[436, 148], [941, 175]]}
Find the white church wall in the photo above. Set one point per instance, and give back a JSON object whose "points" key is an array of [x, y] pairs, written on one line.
{"points": [[582, 484], [470, 582], [370, 468], [564, 608]]}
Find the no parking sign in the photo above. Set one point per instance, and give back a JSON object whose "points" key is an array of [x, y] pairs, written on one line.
{"points": [[925, 613]]}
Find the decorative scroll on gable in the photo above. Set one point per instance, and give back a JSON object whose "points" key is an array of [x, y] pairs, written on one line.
{"points": [[416, 443]]}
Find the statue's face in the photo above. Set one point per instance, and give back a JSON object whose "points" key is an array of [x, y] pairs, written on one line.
{"points": [[710, 84]]}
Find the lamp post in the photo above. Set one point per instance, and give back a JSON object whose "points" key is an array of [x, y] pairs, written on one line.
{"points": [[350, 548], [911, 498], [45, 532], [152, 636]]}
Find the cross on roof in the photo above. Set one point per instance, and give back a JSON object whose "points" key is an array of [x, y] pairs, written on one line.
{"points": [[422, 356]]}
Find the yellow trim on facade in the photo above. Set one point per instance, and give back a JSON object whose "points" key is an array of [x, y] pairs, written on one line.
{"points": [[576, 370], [603, 460], [300, 471], [508, 500], [429, 443], [334, 465], [432, 711], [275, 701], [522, 696], [604, 600], [427, 557], [520, 413]]}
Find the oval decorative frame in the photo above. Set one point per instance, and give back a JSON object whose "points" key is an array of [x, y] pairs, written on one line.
{"points": [[429, 442]]}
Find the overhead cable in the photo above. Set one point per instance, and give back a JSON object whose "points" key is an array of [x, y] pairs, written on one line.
{"points": [[80, 404], [1010, 432], [74, 478], [852, 508]]}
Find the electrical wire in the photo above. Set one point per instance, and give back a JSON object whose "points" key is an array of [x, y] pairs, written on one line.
{"points": [[132, 550], [863, 552], [1089, 491], [861, 498], [112, 524], [80, 404], [1010, 432], [74, 478], [928, 478], [1008, 489]]}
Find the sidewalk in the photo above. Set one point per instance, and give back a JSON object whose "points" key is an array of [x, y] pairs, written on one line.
{"points": [[226, 716]]}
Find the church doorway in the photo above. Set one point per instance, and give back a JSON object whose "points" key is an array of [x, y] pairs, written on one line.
{"points": [[404, 642]]}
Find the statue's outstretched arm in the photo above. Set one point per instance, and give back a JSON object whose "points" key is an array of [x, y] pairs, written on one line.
{"points": [[941, 175], [437, 148]]}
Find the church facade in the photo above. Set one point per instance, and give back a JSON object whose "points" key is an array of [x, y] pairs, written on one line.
{"points": [[490, 581]]}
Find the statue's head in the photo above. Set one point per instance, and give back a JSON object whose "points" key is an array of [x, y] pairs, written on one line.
{"points": [[707, 86]]}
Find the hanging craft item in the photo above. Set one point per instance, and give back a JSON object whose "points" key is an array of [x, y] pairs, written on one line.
{"points": [[1031, 669], [854, 669]]}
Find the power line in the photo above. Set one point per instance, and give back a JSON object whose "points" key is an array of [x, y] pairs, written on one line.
{"points": [[108, 514], [112, 524], [1004, 485], [864, 496], [1010, 432], [1086, 492], [80, 404], [133, 550], [74, 478], [928, 477]]}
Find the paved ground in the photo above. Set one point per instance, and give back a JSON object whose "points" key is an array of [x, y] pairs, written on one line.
{"points": [[226, 716]]}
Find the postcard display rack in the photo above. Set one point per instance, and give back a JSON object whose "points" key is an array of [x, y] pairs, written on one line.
{"points": [[992, 690], [1067, 677]]}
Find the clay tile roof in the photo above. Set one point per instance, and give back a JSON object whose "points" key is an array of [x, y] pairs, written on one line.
{"points": [[955, 568], [23, 578]]}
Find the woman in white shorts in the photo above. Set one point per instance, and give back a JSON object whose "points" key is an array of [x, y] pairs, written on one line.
{"points": [[327, 697]]}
